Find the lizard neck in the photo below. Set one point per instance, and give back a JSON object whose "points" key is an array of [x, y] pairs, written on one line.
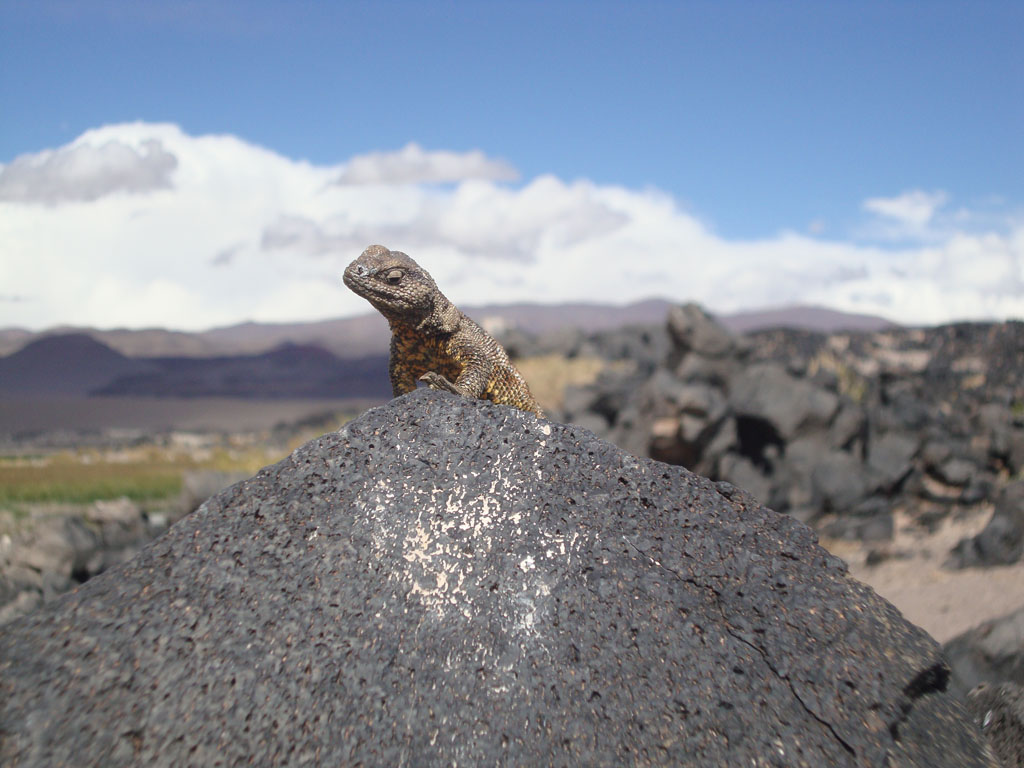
{"points": [[441, 318], [445, 317]]}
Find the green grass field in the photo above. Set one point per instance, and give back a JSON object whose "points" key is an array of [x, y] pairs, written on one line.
{"points": [[81, 483], [149, 472], [84, 477]]}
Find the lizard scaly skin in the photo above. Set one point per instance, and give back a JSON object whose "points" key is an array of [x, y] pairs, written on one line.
{"points": [[431, 340]]}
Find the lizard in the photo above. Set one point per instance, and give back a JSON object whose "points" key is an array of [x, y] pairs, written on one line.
{"points": [[431, 339]]}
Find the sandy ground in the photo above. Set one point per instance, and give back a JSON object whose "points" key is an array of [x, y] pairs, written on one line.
{"points": [[944, 602]]}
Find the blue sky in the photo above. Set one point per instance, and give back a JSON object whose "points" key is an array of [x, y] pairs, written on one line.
{"points": [[755, 118], [759, 115]]}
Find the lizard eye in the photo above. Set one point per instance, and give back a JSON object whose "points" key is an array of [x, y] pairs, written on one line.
{"points": [[394, 276]]}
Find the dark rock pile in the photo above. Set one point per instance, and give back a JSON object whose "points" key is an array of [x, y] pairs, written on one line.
{"points": [[837, 429], [449, 581]]}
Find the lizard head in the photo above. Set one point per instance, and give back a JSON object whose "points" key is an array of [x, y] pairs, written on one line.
{"points": [[400, 289]]}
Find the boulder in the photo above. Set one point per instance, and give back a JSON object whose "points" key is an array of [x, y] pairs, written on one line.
{"points": [[717, 371], [848, 426], [936, 453], [839, 481], [906, 410], [793, 490], [563, 341], [891, 456], [957, 471], [1001, 542], [743, 473], [644, 346], [691, 329], [685, 417], [992, 652], [120, 521], [1005, 441], [724, 439], [445, 581], [123, 512], [58, 544], [604, 398], [790, 405], [869, 521], [519, 343], [1015, 451]]}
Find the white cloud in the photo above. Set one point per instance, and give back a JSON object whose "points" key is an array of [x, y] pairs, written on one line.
{"points": [[915, 215], [85, 171], [414, 165], [244, 233], [914, 208]]}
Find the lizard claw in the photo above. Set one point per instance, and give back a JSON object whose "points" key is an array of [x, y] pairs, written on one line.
{"points": [[435, 380]]}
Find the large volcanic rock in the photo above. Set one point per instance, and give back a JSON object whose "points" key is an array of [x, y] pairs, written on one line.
{"points": [[450, 581]]}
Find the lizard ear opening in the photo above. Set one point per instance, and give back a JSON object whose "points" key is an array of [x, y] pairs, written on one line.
{"points": [[443, 318]]}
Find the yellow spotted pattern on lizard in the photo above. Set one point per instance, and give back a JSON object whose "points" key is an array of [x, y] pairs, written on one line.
{"points": [[431, 339]]}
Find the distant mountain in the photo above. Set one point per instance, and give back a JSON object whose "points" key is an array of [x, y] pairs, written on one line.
{"points": [[805, 318], [541, 318], [77, 364], [328, 359], [70, 364], [345, 337], [290, 371], [145, 342], [368, 334], [13, 339]]}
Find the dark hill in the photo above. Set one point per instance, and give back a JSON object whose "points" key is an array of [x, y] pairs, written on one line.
{"points": [[72, 364], [447, 581], [290, 371]]}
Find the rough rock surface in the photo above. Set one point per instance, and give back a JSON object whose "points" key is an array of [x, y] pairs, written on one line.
{"points": [[447, 581]]}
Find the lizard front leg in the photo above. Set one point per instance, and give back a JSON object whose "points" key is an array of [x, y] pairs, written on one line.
{"points": [[435, 380], [472, 380]]}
